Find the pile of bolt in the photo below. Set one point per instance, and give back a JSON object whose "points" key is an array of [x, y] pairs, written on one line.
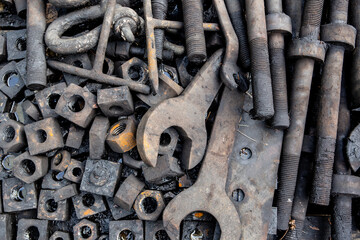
{"points": [[166, 119]]}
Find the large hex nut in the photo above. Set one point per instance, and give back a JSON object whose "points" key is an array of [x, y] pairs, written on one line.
{"points": [[128, 192], [12, 136], [48, 98], [16, 44], [115, 102], [77, 105], [86, 230], [30, 168], [61, 161], [18, 196], [116, 211], [32, 229], [135, 70], [54, 180], [126, 229], [49, 209], [58, 235], [100, 177], [75, 136], [149, 205], [44, 136], [7, 226], [88, 204], [97, 136], [122, 135], [75, 171], [11, 82]]}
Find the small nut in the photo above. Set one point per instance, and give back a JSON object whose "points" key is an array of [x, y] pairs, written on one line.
{"points": [[121, 137], [135, 70]]}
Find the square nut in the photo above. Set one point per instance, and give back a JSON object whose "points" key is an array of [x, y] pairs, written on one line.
{"points": [[12, 136], [74, 171], [77, 105], [122, 135], [48, 98], [11, 82], [88, 204], [18, 196], [49, 209], [30, 168], [16, 44], [33, 229], [100, 177], [44, 136], [54, 180], [115, 102]]}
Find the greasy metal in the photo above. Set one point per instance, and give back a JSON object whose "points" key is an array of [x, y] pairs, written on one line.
{"points": [[31, 110], [260, 64], [12, 136], [153, 23], [42, 227], [21, 169], [85, 210], [35, 49], [230, 73], [191, 105], [68, 3], [237, 15], [96, 73], [160, 8], [139, 205], [209, 189], [9, 74], [355, 70], [330, 98], [293, 138], [59, 210], [134, 226], [294, 10], [115, 102], [94, 230], [278, 24], [252, 171], [97, 137], [75, 136], [74, 167], [60, 161], [128, 191]]}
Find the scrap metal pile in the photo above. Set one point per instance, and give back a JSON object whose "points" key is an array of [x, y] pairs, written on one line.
{"points": [[169, 119]]}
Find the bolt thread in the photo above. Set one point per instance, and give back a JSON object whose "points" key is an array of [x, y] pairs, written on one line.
{"points": [[278, 76], [324, 162], [194, 31], [260, 70], [341, 218], [238, 21], [287, 182], [296, 233], [313, 12], [159, 9]]}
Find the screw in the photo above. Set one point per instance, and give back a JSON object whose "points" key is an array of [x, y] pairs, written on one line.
{"points": [[300, 93], [159, 9], [260, 65], [194, 31]]}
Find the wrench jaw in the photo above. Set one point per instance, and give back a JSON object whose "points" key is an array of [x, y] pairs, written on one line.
{"points": [[169, 113], [231, 75], [220, 206]]}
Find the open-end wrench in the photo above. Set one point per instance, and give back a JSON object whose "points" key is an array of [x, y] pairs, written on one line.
{"points": [[209, 191], [187, 113], [230, 72]]}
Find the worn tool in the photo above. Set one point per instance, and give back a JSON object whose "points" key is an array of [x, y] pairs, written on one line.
{"points": [[230, 73], [309, 49], [192, 105], [330, 98], [355, 71], [208, 193]]}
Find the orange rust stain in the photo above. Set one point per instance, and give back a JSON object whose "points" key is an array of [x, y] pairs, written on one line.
{"points": [[198, 215], [88, 212], [180, 185]]}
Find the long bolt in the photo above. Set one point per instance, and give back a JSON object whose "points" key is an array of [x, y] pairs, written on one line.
{"points": [[278, 70], [342, 203], [194, 31], [159, 9], [293, 8], [236, 13], [260, 65], [299, 100], [329, 111], [355, 71]]}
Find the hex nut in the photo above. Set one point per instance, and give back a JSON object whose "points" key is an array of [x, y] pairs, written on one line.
{"points": [[115, 102], [66, 192], [122, 135], [87, 204], [60, 235], [128, 229], [77, 105], [75, 171], [48, 98], [100, 177], [134, 69], [61, 161], [12, 136], [128, 191], [97, 136], [11, 82], [30, 228], [49, 209], [18, 196], [149, 205], [30, 168], [44, 136], [54, 180], [75, 136], [86, 230], [6, 226]]}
